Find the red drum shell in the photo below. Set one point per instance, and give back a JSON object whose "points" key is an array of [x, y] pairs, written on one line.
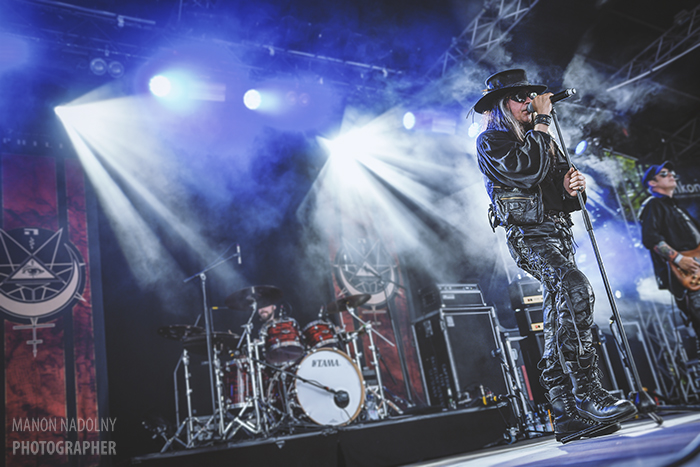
{"points": [[238, 382], [319, 333], [282, 341]]}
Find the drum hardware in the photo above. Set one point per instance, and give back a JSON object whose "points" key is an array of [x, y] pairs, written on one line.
{"points": [[351, 347], [349, 304], [397, 334], [181, 332], [252, 298], [215, 387]]}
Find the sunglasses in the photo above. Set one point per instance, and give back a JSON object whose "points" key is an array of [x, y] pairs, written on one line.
{"points": [[666, 173], [522, 96]]}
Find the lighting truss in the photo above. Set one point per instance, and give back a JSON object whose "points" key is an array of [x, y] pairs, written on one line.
{"points": [[679, 40], [681, 142], [488, 29], [679, 378], [87, 31]]}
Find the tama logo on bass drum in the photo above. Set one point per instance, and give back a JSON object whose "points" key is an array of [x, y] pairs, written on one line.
{"points": [[325, 363]]}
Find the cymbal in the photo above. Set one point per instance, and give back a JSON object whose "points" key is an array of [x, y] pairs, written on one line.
{"points": [[351, 301], [223, 341], [179, 332], [263, 295]]}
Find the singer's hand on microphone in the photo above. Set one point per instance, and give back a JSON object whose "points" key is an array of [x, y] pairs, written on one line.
{"points": [[574, 181], [541, 104]]}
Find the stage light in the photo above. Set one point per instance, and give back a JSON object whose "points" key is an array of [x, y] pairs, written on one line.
{"points": [[252, 99], [581, 147], [160, 86], [115, 69], [474, 129], [409, 120], [98, 66]]}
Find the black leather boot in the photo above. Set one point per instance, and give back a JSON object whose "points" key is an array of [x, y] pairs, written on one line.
{"points": [[594, 402], [567, 421]]}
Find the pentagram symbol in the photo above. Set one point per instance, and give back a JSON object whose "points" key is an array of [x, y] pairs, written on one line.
{"points": [[41, 272], [364, 266]]}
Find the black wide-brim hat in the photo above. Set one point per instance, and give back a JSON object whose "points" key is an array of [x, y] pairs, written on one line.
{"points": [[502, 84]]}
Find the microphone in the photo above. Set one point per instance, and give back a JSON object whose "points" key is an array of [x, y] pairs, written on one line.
{"points": [[238, 252], [554, 98], [341, 398]]}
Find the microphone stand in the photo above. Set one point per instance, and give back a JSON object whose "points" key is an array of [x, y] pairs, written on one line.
{"points": [[208, 331], [643, 400]]}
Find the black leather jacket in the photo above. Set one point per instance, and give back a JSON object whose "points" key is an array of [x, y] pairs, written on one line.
{"points": [[505, 161], [662, 222]]}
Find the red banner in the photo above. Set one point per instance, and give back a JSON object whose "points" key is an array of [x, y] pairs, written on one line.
{"points": [[45, 300]]}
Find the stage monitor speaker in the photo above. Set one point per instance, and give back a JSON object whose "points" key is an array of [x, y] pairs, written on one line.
{"points": [[459, 351]]}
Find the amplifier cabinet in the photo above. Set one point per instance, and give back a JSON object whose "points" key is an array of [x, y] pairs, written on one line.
{"points": [[459, 351], [450, 296], [529, 319], [525, 293]]}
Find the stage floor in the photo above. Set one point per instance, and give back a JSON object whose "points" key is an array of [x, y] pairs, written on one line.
{"points": [[640, 443], [456, 439]]}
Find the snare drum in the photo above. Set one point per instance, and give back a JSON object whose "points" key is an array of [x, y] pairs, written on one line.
{"points": [[333, 369], [318, 334], [282, 341], [237, 381]]}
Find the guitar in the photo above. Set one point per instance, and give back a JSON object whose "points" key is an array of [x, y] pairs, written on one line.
{"points": [[688, 280]]}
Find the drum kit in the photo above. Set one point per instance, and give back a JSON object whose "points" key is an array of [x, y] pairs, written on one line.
{"points": [[287, 379]]}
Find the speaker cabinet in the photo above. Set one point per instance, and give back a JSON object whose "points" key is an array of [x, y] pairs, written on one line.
{"points": [[529, 319], [459, 351]]}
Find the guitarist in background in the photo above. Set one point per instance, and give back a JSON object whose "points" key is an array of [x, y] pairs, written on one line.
{"points": [[668, 230]]}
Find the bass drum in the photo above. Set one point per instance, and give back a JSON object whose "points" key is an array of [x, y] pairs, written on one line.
{"points": [[333, 369]]}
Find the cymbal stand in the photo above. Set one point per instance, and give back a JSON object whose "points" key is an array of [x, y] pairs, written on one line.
{"points": [[381, 406], [351, 340], [217, 406], [185, 361]]}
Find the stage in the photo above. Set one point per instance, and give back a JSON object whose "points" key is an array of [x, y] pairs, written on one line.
{"points": [[641, 443], [396, 441], [465, 438]]}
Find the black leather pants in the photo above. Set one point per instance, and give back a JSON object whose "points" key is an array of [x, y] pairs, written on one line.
{"points": [[546, 251]]}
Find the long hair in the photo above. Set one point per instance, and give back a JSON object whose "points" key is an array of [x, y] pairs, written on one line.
{"points": [[502, 119]]}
